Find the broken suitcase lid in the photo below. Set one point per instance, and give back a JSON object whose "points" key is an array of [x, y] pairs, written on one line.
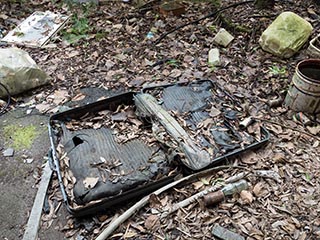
{"points": [[101, 163]]}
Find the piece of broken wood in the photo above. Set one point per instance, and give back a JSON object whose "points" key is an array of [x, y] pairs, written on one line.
{"points": [[196, 158], [31, 231]]}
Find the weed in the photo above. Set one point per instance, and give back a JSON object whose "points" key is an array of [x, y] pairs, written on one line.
{"points": [[308, 177], [78, 30], [173, 62], [80, 26], [212, 67], [212, 28], [277, 71], [101, 35]]}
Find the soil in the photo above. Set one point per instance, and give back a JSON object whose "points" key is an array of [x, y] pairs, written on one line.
{"points": [[115, 53], [19, 177]]}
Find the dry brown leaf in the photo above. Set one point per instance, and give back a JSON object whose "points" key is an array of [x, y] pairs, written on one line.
{"points": [[90, 182], [59, 96], [129, 234], [246, 196], [214, 112], [154, 201], [151, 221], [72, 54], [175, 73], [259, 189], [43, 107], [197, 185], [275, 129], [78, 97], [314, 130], [250, 157], [279, 158]]}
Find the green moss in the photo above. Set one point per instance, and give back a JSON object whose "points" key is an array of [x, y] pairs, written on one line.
{"points": [[20, 137], [228, 24]]}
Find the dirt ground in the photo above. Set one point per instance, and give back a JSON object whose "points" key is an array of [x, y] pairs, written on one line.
{"points": [[107, 46]]}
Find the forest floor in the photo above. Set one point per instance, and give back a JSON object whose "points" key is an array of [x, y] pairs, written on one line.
{"points": [[107, 46]]}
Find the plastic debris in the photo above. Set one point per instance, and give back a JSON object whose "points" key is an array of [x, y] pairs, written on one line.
{"points": [[150, 35], [230, 189], [302, 118], [314, 47], [172, 8], [19, 72], [37, 29], [223, 38]]}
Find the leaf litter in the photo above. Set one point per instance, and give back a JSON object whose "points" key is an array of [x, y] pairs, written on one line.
{"points": [[281, 203]]}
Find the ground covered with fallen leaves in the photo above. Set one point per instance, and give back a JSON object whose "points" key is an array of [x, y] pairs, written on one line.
{"points": [[108, 46]]}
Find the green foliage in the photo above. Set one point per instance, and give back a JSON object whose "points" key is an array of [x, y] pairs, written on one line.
{"points": [[79, 29], [212, 28], [14, 1], [80, 25], [308, 177], [173, 62], [277, 71]]}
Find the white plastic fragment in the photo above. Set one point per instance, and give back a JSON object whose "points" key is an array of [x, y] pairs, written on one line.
{"points": [[19, 72], [223, 38]]}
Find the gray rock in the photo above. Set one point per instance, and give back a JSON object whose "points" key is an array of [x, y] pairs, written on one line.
{"points": [[286, 35], [9, 152]]}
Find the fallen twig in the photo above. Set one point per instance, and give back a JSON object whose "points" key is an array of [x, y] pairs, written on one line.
{"points": [[127, 214]]}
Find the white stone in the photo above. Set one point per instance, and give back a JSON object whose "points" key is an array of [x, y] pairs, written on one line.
{"points": [[8, 152], [214, 57]]}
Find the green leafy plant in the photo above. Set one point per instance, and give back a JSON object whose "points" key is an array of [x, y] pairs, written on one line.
{"points": [[173, 62], [212, 28], [308, 177], [277, 71], [80, 25], [79, 29]]}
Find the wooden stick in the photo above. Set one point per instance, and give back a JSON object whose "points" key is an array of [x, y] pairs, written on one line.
{"points": [[31, 231], [196, 157], [127, 214]]}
